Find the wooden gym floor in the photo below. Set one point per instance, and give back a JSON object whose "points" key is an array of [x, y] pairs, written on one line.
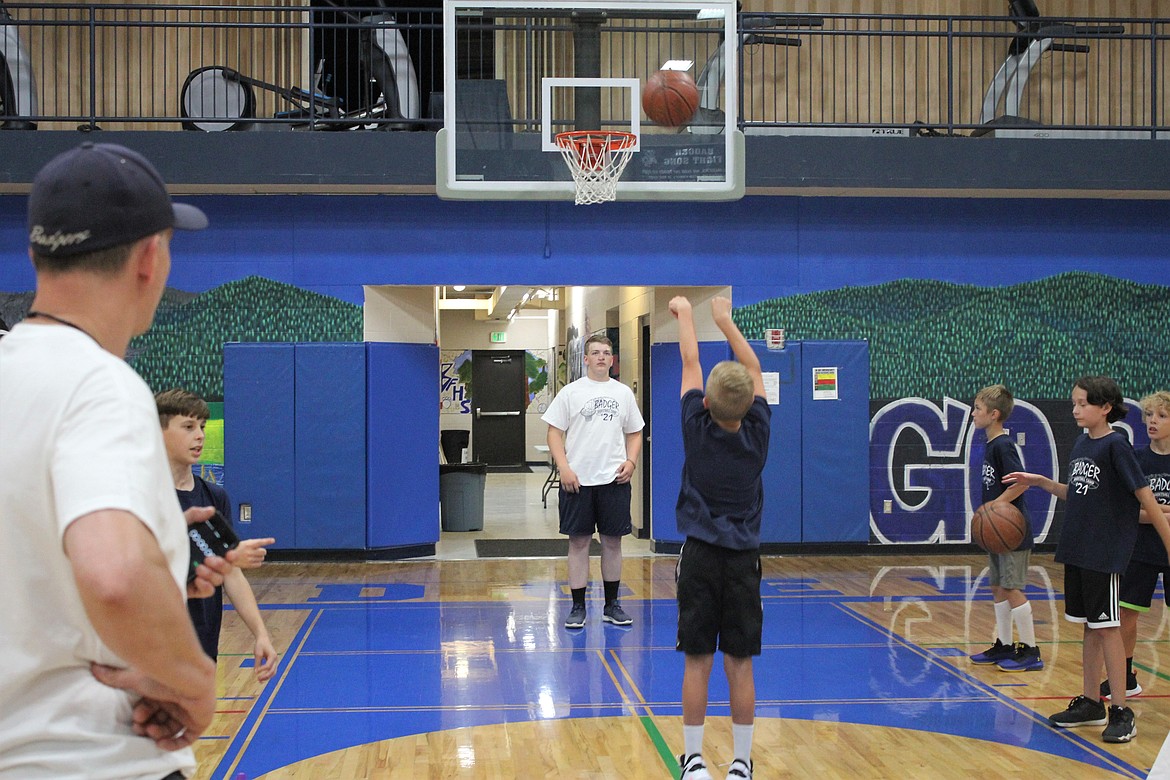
{"points": [[445, 668]]}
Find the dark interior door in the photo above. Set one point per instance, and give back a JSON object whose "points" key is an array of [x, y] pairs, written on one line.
{"points": [[499, 389]]}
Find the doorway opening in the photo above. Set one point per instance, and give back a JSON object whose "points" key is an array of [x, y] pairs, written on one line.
{"points": [[544, 326]]}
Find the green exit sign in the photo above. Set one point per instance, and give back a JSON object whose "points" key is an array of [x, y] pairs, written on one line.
{"points": [[499, 336]]}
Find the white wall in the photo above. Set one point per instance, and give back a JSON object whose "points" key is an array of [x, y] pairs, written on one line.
{"points": [[401, 314]]}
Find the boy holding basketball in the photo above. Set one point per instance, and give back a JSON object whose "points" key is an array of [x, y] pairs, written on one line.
{"points": [[1009, 571], [1149, 556], [1105, 492], [725, 444], [183, 416]]}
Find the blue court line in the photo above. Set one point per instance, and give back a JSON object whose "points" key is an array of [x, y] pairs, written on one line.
{"points": [[1099, 752], [235, 750]]}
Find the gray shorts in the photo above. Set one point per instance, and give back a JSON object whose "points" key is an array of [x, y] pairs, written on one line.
{"points": [[1010, 570]]}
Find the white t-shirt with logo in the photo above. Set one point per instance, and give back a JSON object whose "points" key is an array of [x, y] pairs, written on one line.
{"points": [[596, 416], [79, 432]]}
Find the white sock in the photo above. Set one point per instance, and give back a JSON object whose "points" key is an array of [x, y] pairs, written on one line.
{"points": [[1022, 617], [1003, 621], [692, 740], [741, 741]]}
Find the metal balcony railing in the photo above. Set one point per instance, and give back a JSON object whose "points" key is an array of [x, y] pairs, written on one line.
{"points": [[288, 65]]}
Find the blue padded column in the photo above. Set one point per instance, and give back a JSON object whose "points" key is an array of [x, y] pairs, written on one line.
{"points": [[258, 438], [783, 489], [402, 461], [836, 444], [666, 431], [331, 446]]}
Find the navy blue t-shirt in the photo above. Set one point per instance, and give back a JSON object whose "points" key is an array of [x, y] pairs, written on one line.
{"points": [[1101, 514], [207, 614], [1003, 457], [721, 497], [1149, 547]]}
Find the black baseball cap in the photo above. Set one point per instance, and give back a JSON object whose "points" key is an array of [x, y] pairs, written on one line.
{"points": [[97, 196]]}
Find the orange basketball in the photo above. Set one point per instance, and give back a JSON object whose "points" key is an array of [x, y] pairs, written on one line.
{"points": [[670, 97], [998, 527]]}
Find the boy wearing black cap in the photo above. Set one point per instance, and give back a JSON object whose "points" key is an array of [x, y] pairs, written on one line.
{"points": [[95, 557]]}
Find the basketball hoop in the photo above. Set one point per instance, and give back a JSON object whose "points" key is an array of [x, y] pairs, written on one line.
{"points": [[596, 158]]}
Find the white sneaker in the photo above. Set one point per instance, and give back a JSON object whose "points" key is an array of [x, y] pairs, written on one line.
{"points": [[693, 768], [740, 770]]}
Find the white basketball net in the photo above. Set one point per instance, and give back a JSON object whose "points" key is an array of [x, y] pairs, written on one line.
{"points": [[596, 158]]}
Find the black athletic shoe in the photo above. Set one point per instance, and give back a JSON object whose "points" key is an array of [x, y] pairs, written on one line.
{"points": [[1121, 726], [613, 613], [576, 618], [994, 654], [1132, 687], [1081, 711], [1025, 659]]}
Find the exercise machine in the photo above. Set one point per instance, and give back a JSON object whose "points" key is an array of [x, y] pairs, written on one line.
{"points": [[18, 91], [709, 119], [217, 98], [1035, 37]]}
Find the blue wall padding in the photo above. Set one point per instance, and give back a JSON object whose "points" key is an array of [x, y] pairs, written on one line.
{"points": [[402, 461], [782, 487], [330, 413], [666, 431], [258, 438], [835, 469]]}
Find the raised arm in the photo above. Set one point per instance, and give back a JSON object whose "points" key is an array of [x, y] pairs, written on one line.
{"points": [[721, 310], [688, 345]]}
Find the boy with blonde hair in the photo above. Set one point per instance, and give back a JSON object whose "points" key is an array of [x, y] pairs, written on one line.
{"points": [[1149, 556], [1009, 571], [720, 502]]}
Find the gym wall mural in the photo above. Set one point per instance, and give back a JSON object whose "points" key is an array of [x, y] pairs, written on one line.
{"points": [[933, 345]]}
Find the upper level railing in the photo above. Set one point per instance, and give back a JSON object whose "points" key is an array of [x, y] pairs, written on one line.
{"points": [[285, 65]]}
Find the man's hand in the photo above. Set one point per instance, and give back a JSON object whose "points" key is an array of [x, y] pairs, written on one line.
{"points": [[171, 721], [209, 575], [250, 553], [624, 472], [679, 304]]}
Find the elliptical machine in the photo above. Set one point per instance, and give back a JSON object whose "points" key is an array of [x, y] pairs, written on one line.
{"points": [[217, 98], [18, 91]]}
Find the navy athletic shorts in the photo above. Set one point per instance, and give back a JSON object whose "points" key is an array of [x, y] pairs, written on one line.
{"points": [[601, 508]]}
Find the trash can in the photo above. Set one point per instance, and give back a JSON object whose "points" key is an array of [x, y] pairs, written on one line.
{"points": [[461, 495], [453, 443]]}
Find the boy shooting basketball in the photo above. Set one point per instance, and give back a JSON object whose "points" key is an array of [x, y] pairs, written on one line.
{"points": [[1009, 571], [1105, 492], [725, 443]]}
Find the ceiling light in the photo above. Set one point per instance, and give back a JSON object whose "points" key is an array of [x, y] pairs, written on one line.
{"points": [[458, 287]]}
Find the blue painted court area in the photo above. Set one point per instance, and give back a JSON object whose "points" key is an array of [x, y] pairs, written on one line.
{"points": [[363, 670]]}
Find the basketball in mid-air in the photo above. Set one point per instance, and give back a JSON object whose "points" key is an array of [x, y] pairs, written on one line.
{"points": [[998, 527], [670, 97]]}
